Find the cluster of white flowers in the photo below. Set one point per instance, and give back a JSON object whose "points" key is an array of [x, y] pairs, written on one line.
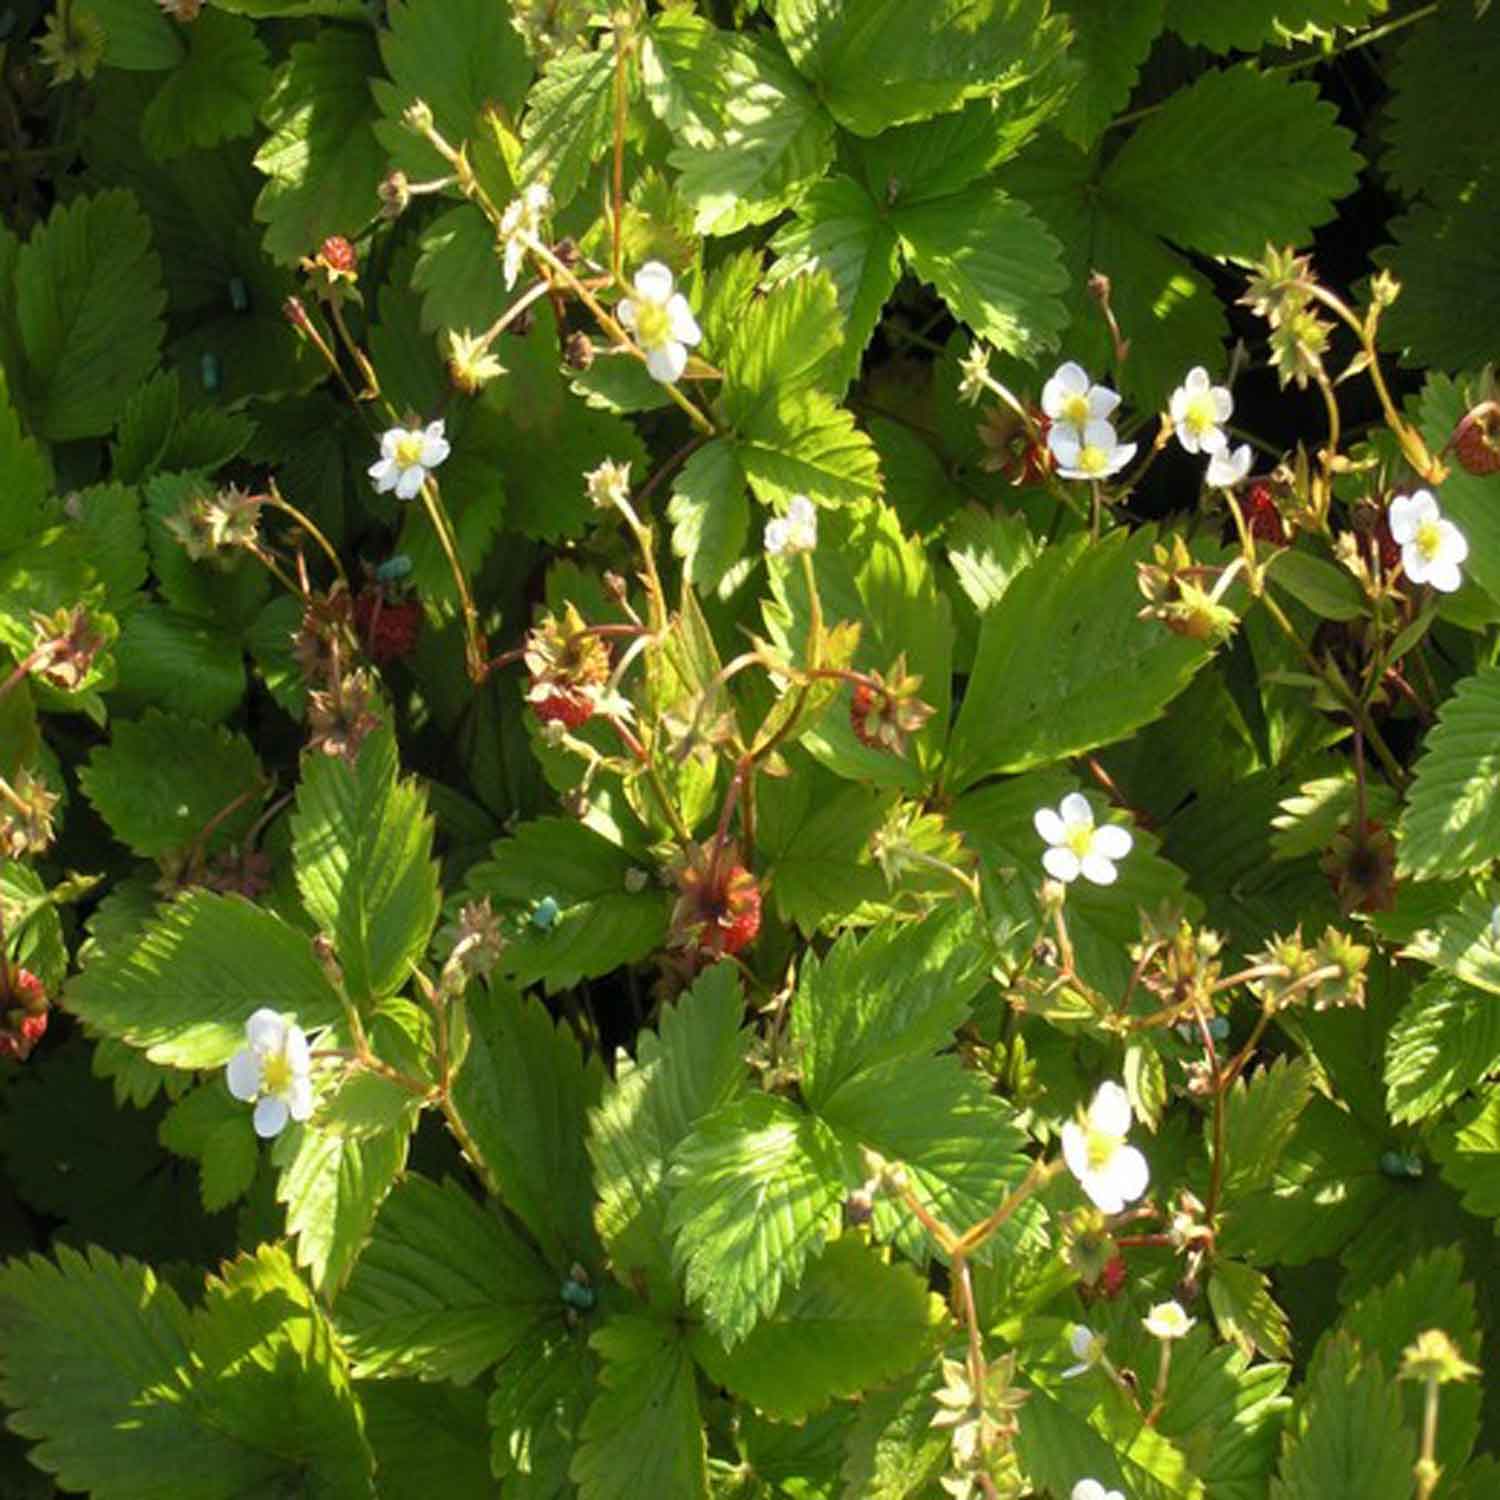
{"points": [[407, 454], [1111, 1172], [796, 531], [273, 1070], [661, 320], [1081, 437], [1198, 410]]}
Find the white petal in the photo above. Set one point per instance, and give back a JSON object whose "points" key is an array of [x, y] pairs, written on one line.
{"points": [[409, 485], [1453, 545], [1098, 870], [1061, 864], [296, 1051], [625, 312], [389, 439], [653, 282], [1215, 440], [265, 1030], [243, 1075], [1065, 444], [1445, 577], [684, 325], [1112, 841], [1102, 401], [1075, 1148], [1071, 378], [1100, 434], [1076, 812], [434, 450], [299, 1098], [270, 1116], [1081, 1341], [1088, 1489], [1109, 1113], [1416, 567], [1223, 403], [778, 533], [1197, 380], [666, 362], [1119, 458], [1129, 1173], [1050, 827], [1101, 1192]]}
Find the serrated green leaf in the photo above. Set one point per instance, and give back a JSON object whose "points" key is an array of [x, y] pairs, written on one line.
{"points": [[710, 514], [691, 1068], [362, 842], [1260, 1118], [419, 1430], [184, 988], [780, 347], [88, 302], [138, 37], [854, 1322], [987, 551], [321, 156], [1452, 821], [1348, 1438], [108, 518], [214, 1129], [456, 272], [569, 121], [893, 1452], [601, 923], [1469, 1150], [756, 1192], [1328, 590], [443, 1290], [1106, 673], [232, 591], [807, 445], [1244, 1310], [643, 1434], [542, 1393], [1318, 809], [878, 63], [180, 663], [523, 1094], [162, 780], [1234, 25], [1111, 42], [211, 95], [994, 263], [1446, 1039]]}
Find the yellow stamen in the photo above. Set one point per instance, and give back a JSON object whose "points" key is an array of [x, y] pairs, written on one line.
{"points": [[409, 449]]}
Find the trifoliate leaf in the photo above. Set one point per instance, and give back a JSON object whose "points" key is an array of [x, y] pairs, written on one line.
{"points": [[185, 987], [837, 227], [569, 121], [1348, 1437], [523, 1095], [1446, 1039], [213, 93], [1111, 42], [756, 1192], [643, 1435], [1452, 820], [362, 842], [443, 1289], [691, 1067], [994, 263], [459, 58], [1234, 25], [1106, 671], [710, 514], [179, 663], [854, 1322], [161, 781], [321, 157], [878, 63], [773, 140], [88, 302]]}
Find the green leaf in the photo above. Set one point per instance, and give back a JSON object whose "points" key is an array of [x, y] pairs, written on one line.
{"points": [[456, 272], [184, 988], [1244, 1310], [232, 592], [362, 842], [1472, 501], [878, 63], [1347, 1439], [88, 302], [643, 1434], [1260, 1119], [1469, 1150], [333, 1186], [1328, 590], [459, 58], [781, 346], [1280, 163], [418, 1431], [523, 1095], [808, 445], [692, 1066], [542, 1393], [899, 992], [710, 514], [179, 663], [1446, 1039], [569, 121], [854, 1322], [1111, 42], [757, 1188], [92, 1353], [138, 37], [601, 923], [443, 1290], [994, 263], [773, 140], [210, 1126], [1104, 674], [108, 517], [838, 227], [1452, 930], [28, 476], [1320, 808], [988, 550], [1452, 820], [893, 1452], [212, 95], [1234, 25], [321, 157], [162, 780]]}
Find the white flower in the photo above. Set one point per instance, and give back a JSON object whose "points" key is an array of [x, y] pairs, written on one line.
{"points": [[1072, 402], [1110, 1172], [1091, 1489], [661, 321], [1431, 548], [796, 531], [974, 372], [522, 217], [1078, 848], [1088, 1350], [273, 1071], [1226, 468], [608, 485], [406, 456], [1197, 408], [1096, 454], [1168, 1321]]}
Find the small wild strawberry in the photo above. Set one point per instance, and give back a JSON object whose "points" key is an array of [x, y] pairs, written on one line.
{"points": [[883, 711], [1262, 516], [565, 706], [338, 255], [718, 908], [1476, 439], [388, 628], [1112, 1282], [569, 667], [27, 990]]}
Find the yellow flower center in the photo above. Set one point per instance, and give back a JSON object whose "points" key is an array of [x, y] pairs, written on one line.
{"points": [[409, 450], [1101, 1148], [1076, 409], [275, 1074], [1200, 416], [1092, 459], [1429, 539], [653, 325], [1080, 840]]}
